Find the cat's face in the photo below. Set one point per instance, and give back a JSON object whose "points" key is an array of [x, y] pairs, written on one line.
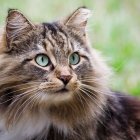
{"points": [[55, 60], [49, 64], [51, 55]]}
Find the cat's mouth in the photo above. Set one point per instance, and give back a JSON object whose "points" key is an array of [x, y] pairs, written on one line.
{"points": [[62, 91]]}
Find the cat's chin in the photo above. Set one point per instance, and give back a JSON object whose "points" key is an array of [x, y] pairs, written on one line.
{"points": [[57, 96]]}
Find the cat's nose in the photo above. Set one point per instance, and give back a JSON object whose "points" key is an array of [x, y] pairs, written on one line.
{"points": [[65, 78]]}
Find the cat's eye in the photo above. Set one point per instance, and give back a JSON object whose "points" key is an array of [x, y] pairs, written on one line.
{"points": [[42, 60], [74, 58]]}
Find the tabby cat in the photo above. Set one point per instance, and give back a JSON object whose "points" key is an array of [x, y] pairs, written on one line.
{"points": [[53, 86]]}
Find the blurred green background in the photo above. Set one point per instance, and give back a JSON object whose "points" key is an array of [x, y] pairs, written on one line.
{"points": [[114, 30]]}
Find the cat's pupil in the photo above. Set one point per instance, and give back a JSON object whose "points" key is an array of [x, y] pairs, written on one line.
{"points": [[73, 57], [42, 59]]}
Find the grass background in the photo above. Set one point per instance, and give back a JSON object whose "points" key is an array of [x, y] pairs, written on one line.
{"points": [[114, 30]]}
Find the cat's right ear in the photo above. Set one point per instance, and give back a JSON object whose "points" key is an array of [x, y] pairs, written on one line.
{"points": [[17, 25]]}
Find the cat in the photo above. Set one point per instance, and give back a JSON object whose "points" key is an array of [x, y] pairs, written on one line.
{"points": [[54, 86]]}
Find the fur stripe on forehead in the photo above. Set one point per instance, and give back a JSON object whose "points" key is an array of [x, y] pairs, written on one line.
{"points": [[57, 37]]}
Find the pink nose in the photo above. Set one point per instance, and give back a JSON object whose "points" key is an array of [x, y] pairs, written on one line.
{"points": [[65, 78]]}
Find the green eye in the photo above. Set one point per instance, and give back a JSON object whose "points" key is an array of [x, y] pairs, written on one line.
{"points": [[74, 59], [42, 60]]}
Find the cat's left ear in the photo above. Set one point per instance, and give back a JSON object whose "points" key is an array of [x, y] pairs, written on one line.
{"points": [[78, 20], [17, 25]]}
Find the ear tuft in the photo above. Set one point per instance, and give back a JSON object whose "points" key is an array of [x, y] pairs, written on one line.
{"points": [[10, 10], [78, 19], [17, 25]]}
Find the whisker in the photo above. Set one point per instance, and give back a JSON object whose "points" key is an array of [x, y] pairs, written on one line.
{"points": [[22, 84], [11, 98], [92, 98], [80, 95], [86, 90], [100, 101], [37, 97], [22, 95], [89, 80], [26, 101], [97, 90], [95, 101], [84, 98], [14, 106], [16, 91]]}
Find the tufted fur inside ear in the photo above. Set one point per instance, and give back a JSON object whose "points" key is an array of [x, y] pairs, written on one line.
{"points": [[78, 19], [16, 25]]}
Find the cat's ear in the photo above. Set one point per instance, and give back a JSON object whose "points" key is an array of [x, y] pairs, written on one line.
{"points": [[17, 25], [78, 19]]}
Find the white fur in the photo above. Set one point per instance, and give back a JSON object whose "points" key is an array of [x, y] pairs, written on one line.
{"points": [[27, 128]]}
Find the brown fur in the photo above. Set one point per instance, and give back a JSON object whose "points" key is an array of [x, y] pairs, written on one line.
{"points": [[86, 110]]}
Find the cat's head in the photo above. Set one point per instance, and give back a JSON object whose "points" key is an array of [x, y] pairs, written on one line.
{"points": [[50, 65]]}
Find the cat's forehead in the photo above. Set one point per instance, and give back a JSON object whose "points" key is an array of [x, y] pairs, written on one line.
{"points": [[58, 39], [50, 38]]}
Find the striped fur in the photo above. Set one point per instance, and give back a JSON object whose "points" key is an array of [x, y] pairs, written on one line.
{"points": [[33, 105]]}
